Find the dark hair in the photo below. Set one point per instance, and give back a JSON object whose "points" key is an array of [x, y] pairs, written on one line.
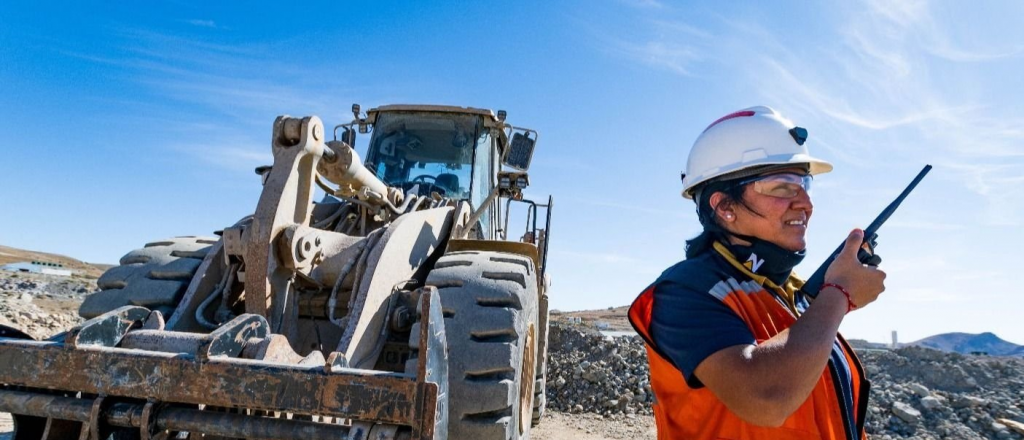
{"points": [[713, 230]]}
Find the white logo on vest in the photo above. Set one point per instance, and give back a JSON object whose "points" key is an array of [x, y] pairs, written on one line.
{"points": [[754, 263]]}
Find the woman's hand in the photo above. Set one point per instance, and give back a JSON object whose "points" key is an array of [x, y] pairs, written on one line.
{"points": [[863, 283]]}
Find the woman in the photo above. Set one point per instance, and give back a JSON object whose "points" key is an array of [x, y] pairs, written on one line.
{"points": [[736, 351]]}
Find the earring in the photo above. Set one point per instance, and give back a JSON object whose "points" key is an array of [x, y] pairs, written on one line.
{"points": [[728, 216]]}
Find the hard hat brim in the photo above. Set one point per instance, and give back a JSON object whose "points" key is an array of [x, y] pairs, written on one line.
{"points": [[816, 166]]}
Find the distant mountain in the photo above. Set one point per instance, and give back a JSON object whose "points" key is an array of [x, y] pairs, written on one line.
{"points": [[967, 343]]}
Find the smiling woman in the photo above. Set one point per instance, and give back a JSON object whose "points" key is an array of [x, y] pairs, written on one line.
{"points": [[731, 319]]}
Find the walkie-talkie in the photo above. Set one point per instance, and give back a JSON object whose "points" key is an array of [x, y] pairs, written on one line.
{"points": [[813, 284]]}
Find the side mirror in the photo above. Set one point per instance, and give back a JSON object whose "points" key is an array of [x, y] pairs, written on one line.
{"points": [[520, 150], [348, 136]]}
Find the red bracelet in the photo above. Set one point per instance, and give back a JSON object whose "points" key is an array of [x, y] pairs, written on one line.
{"points": [[849, 302]]}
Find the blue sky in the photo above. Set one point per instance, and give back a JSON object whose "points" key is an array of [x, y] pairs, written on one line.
{"points": [[129, 122]]}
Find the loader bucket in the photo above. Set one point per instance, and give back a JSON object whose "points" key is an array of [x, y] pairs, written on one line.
{"points": [[112, 375]]}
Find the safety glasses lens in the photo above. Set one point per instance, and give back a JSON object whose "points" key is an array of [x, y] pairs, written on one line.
{"points": [[783, 185]]}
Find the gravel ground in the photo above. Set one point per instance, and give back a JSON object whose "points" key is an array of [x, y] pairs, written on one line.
{"points": [[563, 426]]}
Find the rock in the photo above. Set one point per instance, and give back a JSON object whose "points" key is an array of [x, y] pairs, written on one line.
{"points": [[624, 401], [25, 297], [1015, 414], [968, 402], [906, 412], [919, 389], [930, 402], [594, 376], [1013, 425]]}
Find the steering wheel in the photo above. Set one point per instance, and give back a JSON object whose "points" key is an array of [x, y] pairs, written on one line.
{"points": [[426, 187], [424, 177]]}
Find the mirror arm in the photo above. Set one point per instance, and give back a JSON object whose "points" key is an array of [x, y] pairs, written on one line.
{"points": [[461, 232]]}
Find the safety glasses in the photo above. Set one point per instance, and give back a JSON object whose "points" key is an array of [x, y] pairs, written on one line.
{"points": [[781, 185]]}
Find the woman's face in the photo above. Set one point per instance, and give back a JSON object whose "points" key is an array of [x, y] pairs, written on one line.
{"points": [[782, 220]]}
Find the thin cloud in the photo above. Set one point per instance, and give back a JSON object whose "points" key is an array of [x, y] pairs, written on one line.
{"points": [[669, 45], [202, 23], [225, 155], [241, 87], [671, 56], [914, 18], [824, 101], [903, 14], [676, 28], [944, 50]]}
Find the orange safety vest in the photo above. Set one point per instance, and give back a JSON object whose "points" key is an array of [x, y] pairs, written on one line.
{"points": [[682, 412]]}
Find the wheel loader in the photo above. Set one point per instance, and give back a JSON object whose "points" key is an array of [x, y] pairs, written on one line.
{"points": [[393, 307]]}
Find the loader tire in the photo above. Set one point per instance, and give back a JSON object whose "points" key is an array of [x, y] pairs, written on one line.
{"points": [[154, 277], [489, 300]]}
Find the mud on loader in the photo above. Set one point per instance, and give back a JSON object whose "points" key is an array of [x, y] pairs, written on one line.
{"points": [[394, 308]]}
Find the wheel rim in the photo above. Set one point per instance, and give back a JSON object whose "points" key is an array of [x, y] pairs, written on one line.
{"points": [[526, 382]]}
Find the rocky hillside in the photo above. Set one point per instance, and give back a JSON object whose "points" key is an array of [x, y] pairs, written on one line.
{"points": [[967, 343], [917, 392]]}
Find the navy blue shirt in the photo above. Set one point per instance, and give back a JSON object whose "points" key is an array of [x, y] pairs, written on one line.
{"points": [[690, 321], [688, 326]]}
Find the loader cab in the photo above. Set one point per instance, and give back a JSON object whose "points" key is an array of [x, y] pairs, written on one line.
{"points": [[456, 152], [432, 152], [433, 149]]}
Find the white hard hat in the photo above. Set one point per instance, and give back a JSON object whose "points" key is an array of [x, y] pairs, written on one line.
{"points": [[749, 138]]}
